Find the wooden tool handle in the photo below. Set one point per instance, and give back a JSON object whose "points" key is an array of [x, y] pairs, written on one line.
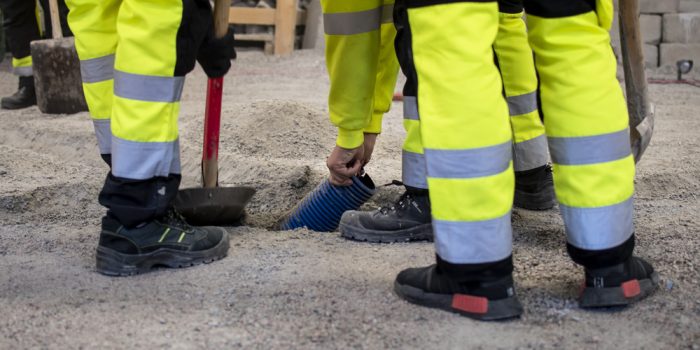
{"points": [[55, 20], [221, 11]]}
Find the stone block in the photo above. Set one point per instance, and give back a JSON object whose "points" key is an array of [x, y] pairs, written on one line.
{"points": [[649, 26], [689, 6], [658, 6], [681, 28], [669, 54], [651, 55]]}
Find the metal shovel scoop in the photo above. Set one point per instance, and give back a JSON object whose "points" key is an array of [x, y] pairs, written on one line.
{"points": [[213, 205]]}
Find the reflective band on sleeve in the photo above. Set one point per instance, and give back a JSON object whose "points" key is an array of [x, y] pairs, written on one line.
{"points": [[147, 87], [530, 154], [590, 149], [522, 104], [349, 23], [413, 170], [23, 71], [598, 228], [103, 131], [468, 163], [97, 69], [388, 14], [144, 160], [473, 242], [410, 108]]}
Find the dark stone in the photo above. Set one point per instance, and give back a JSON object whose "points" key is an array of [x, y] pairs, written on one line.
{"points": [[59, 88]]}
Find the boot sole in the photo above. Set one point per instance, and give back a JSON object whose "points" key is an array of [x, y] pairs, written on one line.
{"points": [[495, 310], [618, 296], [113, 263], [418, 233], [13, 106], [542, 200]]}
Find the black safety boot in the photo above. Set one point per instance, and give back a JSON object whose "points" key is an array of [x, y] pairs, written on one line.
{"points": [[534, 189], [23, 98], [618, 285], [169, 241], [476, 295], [407, 220]]}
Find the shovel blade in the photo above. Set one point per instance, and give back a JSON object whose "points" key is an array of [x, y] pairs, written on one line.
{"points": [[219, 206]]}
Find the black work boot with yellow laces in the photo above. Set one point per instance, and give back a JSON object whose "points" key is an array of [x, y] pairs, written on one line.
{"points": [[406, 220], [168, 242]]}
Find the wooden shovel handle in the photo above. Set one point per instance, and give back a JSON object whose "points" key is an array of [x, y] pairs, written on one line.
{"points": [[221, 11], [55, 20]]}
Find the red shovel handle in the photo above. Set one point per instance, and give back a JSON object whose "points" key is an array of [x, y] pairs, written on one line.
{"points": [[212, 125]]}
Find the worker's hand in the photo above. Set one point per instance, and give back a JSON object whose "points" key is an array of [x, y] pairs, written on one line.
{"points": [[215, 54], [344, 164], [370, 141]]}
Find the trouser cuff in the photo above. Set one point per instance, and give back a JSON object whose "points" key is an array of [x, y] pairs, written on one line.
{"points": [[595, 259]]}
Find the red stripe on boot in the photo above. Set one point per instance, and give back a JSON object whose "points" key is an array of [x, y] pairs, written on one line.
{"points": [[631, 289], [469, 303]]}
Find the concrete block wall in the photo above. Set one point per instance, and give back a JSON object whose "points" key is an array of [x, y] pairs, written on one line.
{"points": [[670, 30]]}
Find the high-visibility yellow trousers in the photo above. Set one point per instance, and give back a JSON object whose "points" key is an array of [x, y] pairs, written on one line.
{"points": [[127, 51], [131, 59], [466, 129], [516, 65], [362, 65]]}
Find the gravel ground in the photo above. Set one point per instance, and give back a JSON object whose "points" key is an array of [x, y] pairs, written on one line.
{"points": [[303, 289]]}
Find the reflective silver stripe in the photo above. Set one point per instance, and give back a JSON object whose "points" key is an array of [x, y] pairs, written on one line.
{"points": [[413, 170], [530, 154], [97, 69], [144, 160], [410, 108], [349, 23], [473, 242], [598, 228], [148, 87], [23, 71], [590, 149], [468, 163], [103, 131], [388, 14], [522, 104]]}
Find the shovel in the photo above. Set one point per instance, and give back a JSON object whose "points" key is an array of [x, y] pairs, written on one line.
{"points": [[56, 67], [211, 204], [641, 111]]}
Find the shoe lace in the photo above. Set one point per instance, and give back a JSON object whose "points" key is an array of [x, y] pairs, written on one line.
{"points": [[401, 204], [175, 219]]}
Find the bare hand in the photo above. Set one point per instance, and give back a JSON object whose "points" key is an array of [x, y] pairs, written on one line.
{"points": [[344, 164]]}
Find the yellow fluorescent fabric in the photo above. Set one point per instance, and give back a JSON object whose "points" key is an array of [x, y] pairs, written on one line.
{"points": [[474, 199], [95, 25], [22, 62], [362, 69], [413, 142], [591, 106], [460, 105], [144, 121], [514, 55], [605, 11], [446, 83], [595, 185], [527, 127]]}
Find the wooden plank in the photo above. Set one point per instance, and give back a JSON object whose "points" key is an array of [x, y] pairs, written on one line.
{"points": [[249, 15], [285, 26], [255, 37]]}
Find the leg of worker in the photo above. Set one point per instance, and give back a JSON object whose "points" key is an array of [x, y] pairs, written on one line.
{"points": [[408, 219], [587, 126], [141, 230], [21, 28], [533, 177], [95, 27], [467, 144]]}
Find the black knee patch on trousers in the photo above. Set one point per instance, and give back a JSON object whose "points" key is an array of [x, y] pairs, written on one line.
{"points": [[476, 272], [132, 202], [595, 259], [558, 8]]}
